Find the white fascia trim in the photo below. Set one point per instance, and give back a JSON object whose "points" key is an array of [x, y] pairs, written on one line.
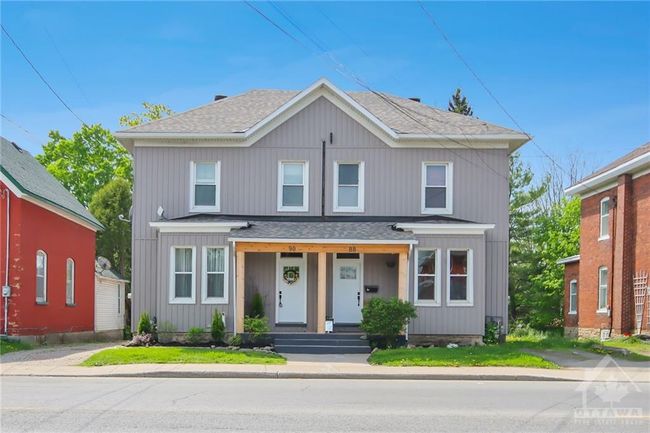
{"points": [[190, 227], [570, 259], [105, 278], [589, 185], [325, 241], [342, 100], [445, 229]]}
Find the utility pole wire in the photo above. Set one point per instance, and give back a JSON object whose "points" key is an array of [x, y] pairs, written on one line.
{"points": [[41, 75]]}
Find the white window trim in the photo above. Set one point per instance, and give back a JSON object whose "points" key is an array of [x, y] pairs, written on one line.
{"points": [[305, 187], [217, 189], [119, 299], [606, 285], [470, 279], [574, 310], [448, 184], [172, 281], [69, 259], [360, 188], [602, 237], [205, 299], [437, 281], [42, 300]]}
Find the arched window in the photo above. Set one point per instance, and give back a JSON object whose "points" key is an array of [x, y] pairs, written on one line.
{"points": [[41, 276], [69, 281]]}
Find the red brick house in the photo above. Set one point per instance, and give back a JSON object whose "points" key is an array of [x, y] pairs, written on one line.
{"points": [[606, 285], [47, 252]]}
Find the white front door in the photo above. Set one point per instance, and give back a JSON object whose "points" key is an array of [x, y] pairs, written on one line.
{"points": [[347, 285], [291, 288]]}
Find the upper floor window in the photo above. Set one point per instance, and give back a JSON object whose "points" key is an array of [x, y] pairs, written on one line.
{"points": [[293, 186], [427, 271], [604, 218], [41, 276], [602, 289], [69, 281], [437, 187], [348, 186], [182, 284], [460, 289], [205, 186], [214, 278], [573, 297]]}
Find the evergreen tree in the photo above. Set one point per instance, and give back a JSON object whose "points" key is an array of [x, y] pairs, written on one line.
{"points": [[458, 104]]}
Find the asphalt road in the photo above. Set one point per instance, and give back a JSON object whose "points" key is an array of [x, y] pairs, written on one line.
{"points": [[42, 404]]}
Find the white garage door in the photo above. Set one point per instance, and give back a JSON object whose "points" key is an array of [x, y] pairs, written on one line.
{"points": [[109, 305]]}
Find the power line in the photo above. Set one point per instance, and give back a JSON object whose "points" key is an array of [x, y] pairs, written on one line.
{"points": [[67, 66], [22, 128], [40, 75]]}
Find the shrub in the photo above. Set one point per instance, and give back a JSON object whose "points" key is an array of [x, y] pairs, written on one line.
{"points": [[166, 332], [218, 329], [257, 307], [235, 340], [141, 340], [194, 335], [386, 318], [126, 333], [144, 325], [492, 332], [257, 327]]}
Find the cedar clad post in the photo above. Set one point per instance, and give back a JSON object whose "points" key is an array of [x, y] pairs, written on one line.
{"points": [[322, 280], [402, 292], [241, 267]]}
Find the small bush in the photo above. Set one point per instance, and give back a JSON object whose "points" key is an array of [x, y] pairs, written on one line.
{"points": [[526, 332], [492, 333], [235, 340], [166, 332], [257, 327], [386, 318], [126, 333], [144, 325], [257, 307], [218, 329], [194, 335]]}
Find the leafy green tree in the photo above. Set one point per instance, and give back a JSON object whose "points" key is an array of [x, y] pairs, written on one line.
{"points": [[86, 161], [114, 242], [152, 112], [458, 104], [525, 213]]}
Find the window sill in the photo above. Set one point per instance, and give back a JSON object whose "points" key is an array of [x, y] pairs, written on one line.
{"points": [[436, 211], [426, 304], [182, 301], [214, 301], [44, 303], [348, 209], [199, 209], [292, 209], [70, 305], [601, 311], [603, 238], [459, 304], [572, 313]]}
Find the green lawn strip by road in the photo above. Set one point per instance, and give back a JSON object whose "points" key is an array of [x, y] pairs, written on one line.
{"points": [[7, 346], [639, 351], [180, 355], [503, 355]]}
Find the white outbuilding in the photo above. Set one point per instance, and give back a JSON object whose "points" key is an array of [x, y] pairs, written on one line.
{"points": [[110, 302]]}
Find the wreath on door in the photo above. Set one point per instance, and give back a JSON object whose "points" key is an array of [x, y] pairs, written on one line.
{"points": [[291, 274]]}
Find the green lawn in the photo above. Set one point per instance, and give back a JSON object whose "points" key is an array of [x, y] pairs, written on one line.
{"points": [[180, 355], [7, 346], [639, 349], [504, 355]]}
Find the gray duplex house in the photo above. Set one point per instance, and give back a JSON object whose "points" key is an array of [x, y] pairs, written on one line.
{"points": [[320, 200]]}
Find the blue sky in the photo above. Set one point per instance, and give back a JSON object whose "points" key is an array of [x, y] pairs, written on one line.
{"points": [[574, 75]]}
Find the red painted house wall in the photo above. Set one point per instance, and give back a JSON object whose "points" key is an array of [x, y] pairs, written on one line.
{"points": [[34, 228]]}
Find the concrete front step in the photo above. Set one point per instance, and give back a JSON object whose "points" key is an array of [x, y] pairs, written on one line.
{"points": [[320, 342], [321, 350]]}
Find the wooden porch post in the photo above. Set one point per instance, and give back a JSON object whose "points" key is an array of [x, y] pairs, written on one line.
{"points": [[322, 284], [402, 292], [241, 267]]}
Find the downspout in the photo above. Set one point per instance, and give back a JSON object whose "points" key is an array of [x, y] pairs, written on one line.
{"points": [[322, 180], [610, 275], [5, 194], [234, 285]]}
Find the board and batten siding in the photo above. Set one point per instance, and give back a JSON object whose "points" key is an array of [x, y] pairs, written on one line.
{"points": [[249, 179], [108, 316]]}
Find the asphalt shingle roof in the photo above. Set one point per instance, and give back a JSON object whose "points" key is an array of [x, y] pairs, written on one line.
{"points": [[240, 113], [641, 150], [34, 180]]}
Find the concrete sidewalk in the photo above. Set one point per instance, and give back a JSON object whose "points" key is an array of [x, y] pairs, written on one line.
{"points": [[64, 362]]}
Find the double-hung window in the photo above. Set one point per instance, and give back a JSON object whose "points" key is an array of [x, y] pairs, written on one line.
{"points": [[460, 290], [41, 277], [182, 282], [293, 186], [348, 186], [205, 186], [69, 281], [604, 219], [573, 297], [437, 187], [214, 278], [602, 289], [427, 271]]}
